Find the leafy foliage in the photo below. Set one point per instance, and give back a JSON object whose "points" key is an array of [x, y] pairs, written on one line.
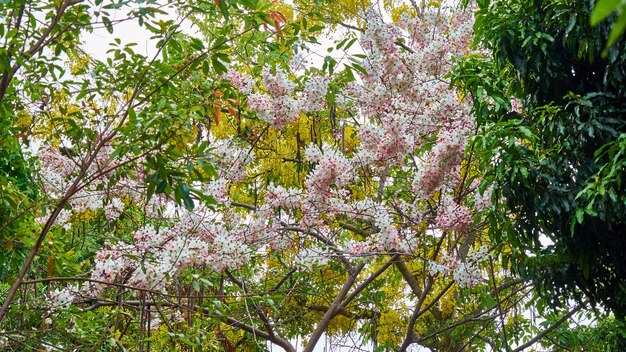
{"points": [[605, 8], [226, 193], [555, 155]]}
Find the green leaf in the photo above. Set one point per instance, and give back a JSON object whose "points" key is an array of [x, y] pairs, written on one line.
{"points": [[524, 171], [188, 203], [252, 5], [331, 64], [132, 115], [580, 213], [341, 43], [184, 195], [316, 28], [175, 45], [526, 131], [107, 24], [206, 282], [349, 73], [617, 30], [603, 9], [359, 68], [116, 5], [224, 9], [185, 340], [150, 190], [217, 65], [161, 186], [206, 198]]}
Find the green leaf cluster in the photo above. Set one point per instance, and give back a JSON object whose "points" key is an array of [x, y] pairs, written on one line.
{"points": [[557, 160]]}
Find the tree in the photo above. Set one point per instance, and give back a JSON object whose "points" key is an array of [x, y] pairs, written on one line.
{"points": [[556, 157], [225, 194]]}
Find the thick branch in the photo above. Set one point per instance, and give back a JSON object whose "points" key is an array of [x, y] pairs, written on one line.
{"points": [[285, 344], [369, 280], [417, 312], [333, 309], [414, 284]]}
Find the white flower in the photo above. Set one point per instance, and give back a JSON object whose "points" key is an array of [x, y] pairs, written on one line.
{"points": [[61, 298]]}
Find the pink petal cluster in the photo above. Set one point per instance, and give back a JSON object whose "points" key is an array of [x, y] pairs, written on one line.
{"points": [[280, 104]]}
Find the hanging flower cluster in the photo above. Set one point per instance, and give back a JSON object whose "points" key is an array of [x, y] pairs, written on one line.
{"points": [[280, 104], [466, 273]]}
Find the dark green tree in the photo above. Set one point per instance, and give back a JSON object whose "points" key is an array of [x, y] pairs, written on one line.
{"points": [[558, 160]]}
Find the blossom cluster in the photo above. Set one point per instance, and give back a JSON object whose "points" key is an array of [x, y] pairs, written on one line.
{"points": [[443, 158], [61, 298], [406, 100], [57, 172], [333, 169], [157, 256], [244, 83], [453, 216], [465, 273], [280, 104], [231, 159]]}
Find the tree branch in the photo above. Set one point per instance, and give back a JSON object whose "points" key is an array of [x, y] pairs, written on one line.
{"points": [[333, 309], [549, 329]]}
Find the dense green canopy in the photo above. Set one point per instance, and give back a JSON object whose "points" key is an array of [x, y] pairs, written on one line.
{"points": [[559, 159]]}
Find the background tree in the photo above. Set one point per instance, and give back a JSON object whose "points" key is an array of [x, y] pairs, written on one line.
{"points": [[550, 108]]}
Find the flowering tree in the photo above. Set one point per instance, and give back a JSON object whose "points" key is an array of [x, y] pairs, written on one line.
{"points": [[227, 193]]}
